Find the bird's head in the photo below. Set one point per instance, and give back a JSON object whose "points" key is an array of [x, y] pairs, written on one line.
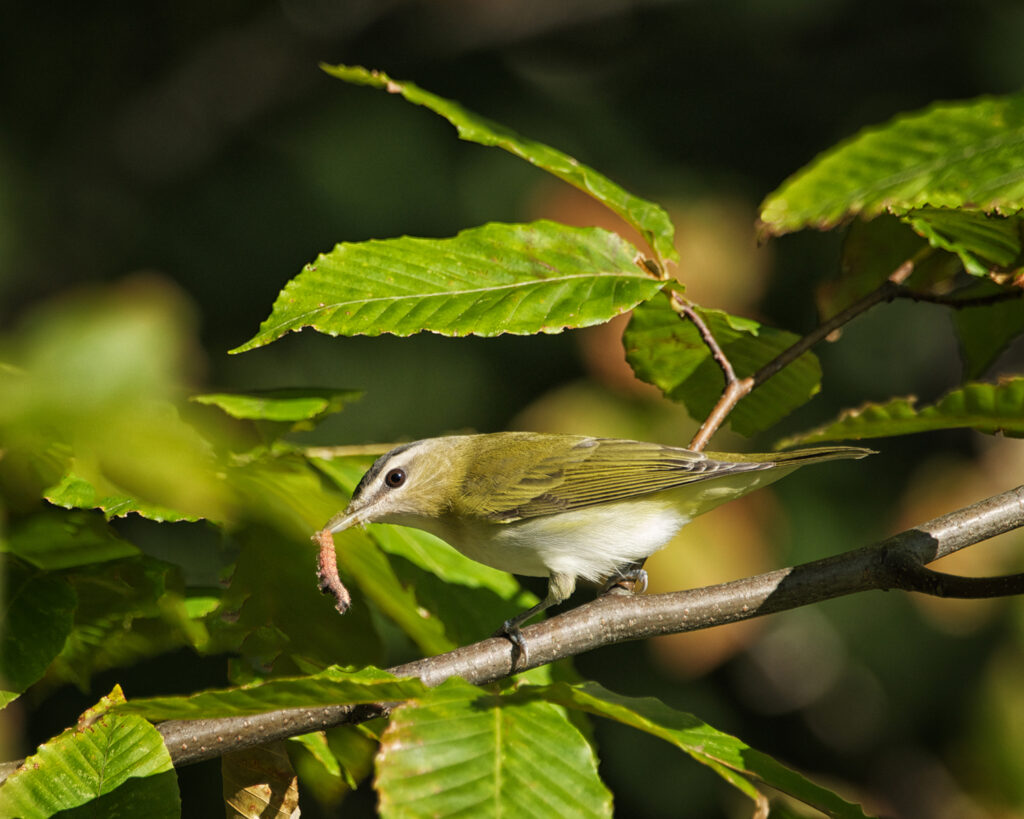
{"points": [[410, 483]]}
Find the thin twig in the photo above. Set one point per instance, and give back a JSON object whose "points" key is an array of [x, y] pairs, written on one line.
{"points": [[738, 388], [894, 563], [886, 291], [735, 388], [347, 450], [951, 300], [681, 306], [734, 392]]}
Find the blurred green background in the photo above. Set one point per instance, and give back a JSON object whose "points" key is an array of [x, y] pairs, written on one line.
{"points": [[196, 151]]}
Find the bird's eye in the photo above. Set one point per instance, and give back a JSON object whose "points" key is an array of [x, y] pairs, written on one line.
{"points": [[395, 478]]}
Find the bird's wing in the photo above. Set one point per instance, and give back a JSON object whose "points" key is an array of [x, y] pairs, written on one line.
{"points": [[584, 472]]}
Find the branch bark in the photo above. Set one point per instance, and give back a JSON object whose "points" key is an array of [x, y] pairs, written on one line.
{"points": [[894, 563]]}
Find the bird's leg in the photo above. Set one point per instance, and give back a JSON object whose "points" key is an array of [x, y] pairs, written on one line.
{"points": [[560, 587], [632, 574]]}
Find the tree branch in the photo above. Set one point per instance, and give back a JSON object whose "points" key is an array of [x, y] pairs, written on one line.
{"points": [[894, 563], [736, 388]]}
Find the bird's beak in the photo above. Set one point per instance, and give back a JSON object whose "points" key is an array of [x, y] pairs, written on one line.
{"points": [[344, 520]]}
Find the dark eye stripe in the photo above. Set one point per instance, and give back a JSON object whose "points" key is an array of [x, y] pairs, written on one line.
{"points": [[378, 467]]}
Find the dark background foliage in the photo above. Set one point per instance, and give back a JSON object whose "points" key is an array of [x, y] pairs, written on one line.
{"points": [[199, 144]]}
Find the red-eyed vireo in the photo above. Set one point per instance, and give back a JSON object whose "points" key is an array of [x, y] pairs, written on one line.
{"points": [[558, 506]]}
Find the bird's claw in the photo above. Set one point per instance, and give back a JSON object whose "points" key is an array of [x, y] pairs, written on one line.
{"points": [[512, 632], [632, 581]]}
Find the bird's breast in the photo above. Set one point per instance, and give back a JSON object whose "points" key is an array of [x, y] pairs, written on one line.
{"points": [[590, 543]]}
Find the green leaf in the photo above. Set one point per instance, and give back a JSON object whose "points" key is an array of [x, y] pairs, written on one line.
{"points": [[274, 615], [281, 490], [958, 155], [127, 610], [494, 279], [98, 379], [989, 408], [666, 350], [332, 686], [731, 758], [650, 219], [338, 759], [983, 243], [872, 252], [37, 615], [462, 751], [116, 766], [987, 330], [275, 583], [359, 557], [54, 541], [353, 747], [298, 407], [76, 492], [316, 744]]}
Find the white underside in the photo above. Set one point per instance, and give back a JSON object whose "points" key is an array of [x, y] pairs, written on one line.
{"points": [[590, 543]]}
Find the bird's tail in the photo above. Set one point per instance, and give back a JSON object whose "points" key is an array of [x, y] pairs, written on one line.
{"points": [[799, 457]]}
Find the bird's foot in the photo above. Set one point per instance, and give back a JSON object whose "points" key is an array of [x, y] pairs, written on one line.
{"points": [[631, 581], [510, 630]]}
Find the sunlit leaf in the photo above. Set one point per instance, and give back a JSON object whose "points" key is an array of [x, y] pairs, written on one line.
{"points": [[353, 746], [116, 765], [335, 761], [731, 758], [316, 744], [951, 155], [377, 579], [99, 376], [650, 219], [989, 408], [462, 751], [332, 686], [668, 351], [296, 407], [983, 243], [76, 492], [499, 278]]}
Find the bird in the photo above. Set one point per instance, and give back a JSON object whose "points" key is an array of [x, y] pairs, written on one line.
{"points": [[564, 507]]}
